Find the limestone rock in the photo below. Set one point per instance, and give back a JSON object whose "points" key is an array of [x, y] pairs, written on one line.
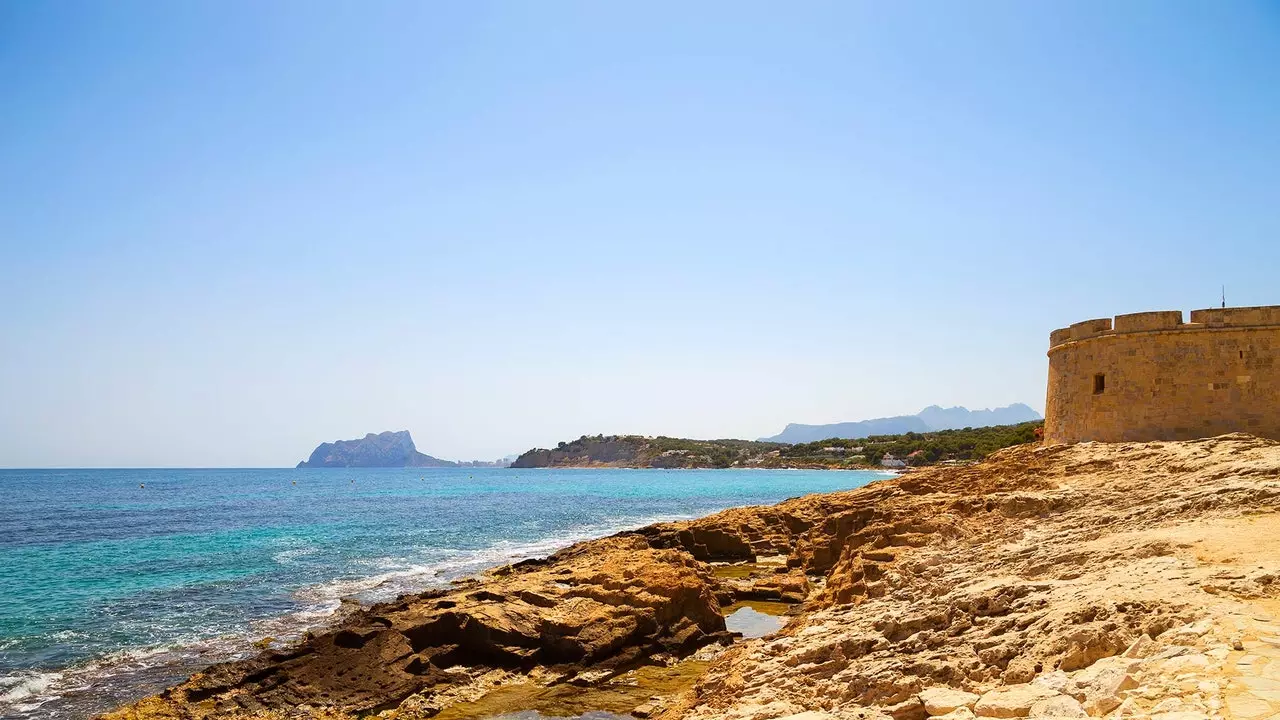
{"points": [[387, 449], [1141, 648], [1056, 681], [646, 710], [1127, 709], [1011, 701], [1061, 706], [943, 700], [960, 713], [583, 611], [1098, 687], [1044, 560], [791, 586], [1020, 670]]}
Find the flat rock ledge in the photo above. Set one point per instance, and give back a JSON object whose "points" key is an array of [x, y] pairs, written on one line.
{"points": [[582, 614]]}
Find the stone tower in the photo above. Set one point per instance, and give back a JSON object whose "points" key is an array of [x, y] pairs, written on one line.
{"points": [[1150, 376]]}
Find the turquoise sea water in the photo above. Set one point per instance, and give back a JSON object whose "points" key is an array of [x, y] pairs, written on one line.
{"points": [[114, 583]]}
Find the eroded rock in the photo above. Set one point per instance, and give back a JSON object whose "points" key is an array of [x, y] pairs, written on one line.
{"points": [[582, 614], [1012, 701], [1032, 568], [1059, 706], [944, 700]]}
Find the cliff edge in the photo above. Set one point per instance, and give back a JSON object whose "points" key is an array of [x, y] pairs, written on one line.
{"points": [[1118, 581]]}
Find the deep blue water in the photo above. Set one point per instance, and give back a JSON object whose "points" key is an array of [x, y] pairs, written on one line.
{"points": [[114, 583]]}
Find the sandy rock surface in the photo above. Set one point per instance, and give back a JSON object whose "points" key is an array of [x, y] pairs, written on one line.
{"points": [[1121, 580]]}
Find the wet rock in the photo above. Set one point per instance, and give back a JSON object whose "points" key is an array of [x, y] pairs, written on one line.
{"points": [[646, 710], [587, 612], [791, 587]]}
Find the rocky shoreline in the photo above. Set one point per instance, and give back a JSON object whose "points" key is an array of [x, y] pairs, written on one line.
{"points": [[1121, 580]]}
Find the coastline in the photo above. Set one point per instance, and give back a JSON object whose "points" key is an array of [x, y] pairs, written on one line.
{"points": [[899, 587], [324, 605], [751, 468], [78, 690]]}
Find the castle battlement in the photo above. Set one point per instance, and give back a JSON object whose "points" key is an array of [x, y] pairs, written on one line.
{"points": [[1151, 376], [1167, 320]]}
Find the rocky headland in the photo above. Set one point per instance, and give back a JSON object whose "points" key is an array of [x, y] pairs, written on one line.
{"points": [[1119, 581], [638, 451], [385, 449]]}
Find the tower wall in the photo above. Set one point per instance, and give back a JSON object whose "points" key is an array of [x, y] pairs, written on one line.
{"points": [[1150, 376]]}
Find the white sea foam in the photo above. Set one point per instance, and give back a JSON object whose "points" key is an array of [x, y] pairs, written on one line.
{"points": [[25, 691], [402, 575], [285, 557], [22, 695], [28, 692]]}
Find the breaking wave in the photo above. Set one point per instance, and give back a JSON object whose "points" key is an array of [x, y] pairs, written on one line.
{"points": [[126, 675]]}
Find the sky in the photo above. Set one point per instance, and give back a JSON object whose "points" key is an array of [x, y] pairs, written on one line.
{"points": [[230, 231]]}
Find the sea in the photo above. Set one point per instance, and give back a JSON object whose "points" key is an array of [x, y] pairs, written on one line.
{"points": [[117, 583]]}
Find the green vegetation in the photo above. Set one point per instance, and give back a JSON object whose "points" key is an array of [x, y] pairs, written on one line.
{"points": [[666, 452], [640, 451], [917, 448], [715, 453]]}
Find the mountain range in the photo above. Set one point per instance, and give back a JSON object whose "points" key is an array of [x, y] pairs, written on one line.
{"points": [[928, 419]]}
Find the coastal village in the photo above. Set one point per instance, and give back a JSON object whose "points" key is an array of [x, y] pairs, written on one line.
{"points": [[1124, 567]]}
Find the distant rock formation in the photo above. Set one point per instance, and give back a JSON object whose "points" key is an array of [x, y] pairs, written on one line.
{"points": [[931, 418], [953, 418], [386, 449], [798, 433]]}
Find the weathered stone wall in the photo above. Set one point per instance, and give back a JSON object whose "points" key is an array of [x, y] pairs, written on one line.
{"points": [[1150, 376]]}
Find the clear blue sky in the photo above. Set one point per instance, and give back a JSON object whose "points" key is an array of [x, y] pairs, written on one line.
{"points": [[232, 230]]}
